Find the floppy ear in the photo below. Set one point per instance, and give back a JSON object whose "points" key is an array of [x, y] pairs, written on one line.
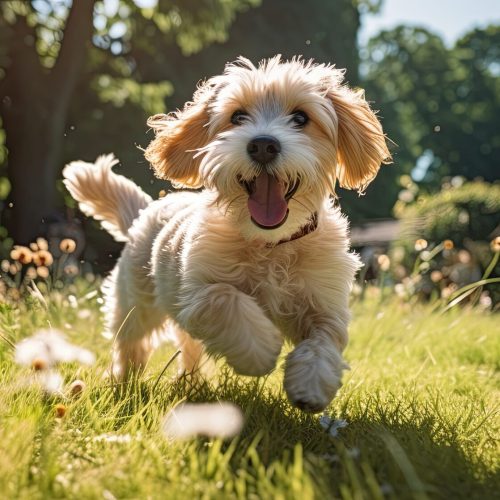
{"points": [[361, 141], [178, 136]]}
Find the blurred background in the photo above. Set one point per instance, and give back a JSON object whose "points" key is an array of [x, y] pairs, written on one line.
{"points": [[78, 79]]}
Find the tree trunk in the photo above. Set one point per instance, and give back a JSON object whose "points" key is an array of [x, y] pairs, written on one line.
{"points": [[34, 142], [34, 110]]}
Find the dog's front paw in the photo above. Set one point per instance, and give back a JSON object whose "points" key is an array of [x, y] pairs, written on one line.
{"points": [[258, 358], [313, 373]]}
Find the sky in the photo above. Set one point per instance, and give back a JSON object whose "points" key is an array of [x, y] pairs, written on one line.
{"points": [[448, 18]]}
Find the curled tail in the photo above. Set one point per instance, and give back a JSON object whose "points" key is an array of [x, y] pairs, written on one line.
{"points": [[110, 198]]}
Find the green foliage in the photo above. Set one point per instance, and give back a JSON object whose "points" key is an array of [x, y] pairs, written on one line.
{"points": [[440, 105], [461, 214], [118, 91], [420, 403]]}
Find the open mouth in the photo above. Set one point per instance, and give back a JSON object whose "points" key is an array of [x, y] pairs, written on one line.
{"points": [[268, 199]]}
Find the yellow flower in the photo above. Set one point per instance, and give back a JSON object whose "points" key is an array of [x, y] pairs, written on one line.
{"points": [[21, 254], [43, 258], [42, 271], [67, 245], [42, 244], [60, 410], [34, 247], [495, 244], [448, 245]]}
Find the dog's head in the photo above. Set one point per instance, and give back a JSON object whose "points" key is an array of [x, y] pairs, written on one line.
{"points": [[271, 141]]}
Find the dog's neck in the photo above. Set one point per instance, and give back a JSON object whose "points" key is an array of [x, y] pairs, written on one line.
{"points": [[310, 226]]}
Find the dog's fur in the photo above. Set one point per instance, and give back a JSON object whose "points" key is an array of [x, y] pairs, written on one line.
{"points": [[196, 261]]}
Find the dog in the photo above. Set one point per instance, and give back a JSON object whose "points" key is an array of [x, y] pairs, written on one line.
{"points": [[261, 254]]}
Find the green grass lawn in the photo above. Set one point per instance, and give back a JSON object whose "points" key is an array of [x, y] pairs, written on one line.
{"points": [[421, 402]]}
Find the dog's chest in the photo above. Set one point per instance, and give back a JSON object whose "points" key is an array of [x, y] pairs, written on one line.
{"points": [[276, 282]]}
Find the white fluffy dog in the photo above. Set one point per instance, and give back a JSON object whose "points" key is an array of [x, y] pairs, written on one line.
{"points": [[261, 254]]}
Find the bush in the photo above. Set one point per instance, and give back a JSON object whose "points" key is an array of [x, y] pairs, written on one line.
{"points": [[470, 212], [444, 240]]}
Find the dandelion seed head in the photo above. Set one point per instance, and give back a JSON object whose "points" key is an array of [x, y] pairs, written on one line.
{"points": [[43, 272], [51, 382], [216, 420], [51, 347]]}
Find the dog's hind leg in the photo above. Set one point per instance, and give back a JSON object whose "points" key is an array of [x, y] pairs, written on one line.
{"points": [[191, 350], [131, 320], [133, 342]]}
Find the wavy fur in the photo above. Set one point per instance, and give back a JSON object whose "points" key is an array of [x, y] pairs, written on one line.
{"points": [[110, 198], [196, 263]]}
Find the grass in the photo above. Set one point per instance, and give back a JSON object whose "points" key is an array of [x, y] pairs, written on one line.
{"points": [[421, 402]]}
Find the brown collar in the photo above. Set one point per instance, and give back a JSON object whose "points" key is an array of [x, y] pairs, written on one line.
{"points": [[310, 226]]}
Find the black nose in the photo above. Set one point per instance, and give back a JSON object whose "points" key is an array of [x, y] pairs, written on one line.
{"points": [[263, 148]]}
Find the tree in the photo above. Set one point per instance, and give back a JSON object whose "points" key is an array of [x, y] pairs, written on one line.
{"points": [[441, 105], [45, 47], [34, 107], [128, 62]]}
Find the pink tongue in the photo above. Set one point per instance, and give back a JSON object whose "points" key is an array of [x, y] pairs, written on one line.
{"points": [[267, 204]]}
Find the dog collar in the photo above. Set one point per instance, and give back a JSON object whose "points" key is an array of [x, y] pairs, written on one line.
{"points": [[310, 226]]}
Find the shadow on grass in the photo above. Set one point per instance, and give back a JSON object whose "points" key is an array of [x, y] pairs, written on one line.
{"points": [[395, 447]]}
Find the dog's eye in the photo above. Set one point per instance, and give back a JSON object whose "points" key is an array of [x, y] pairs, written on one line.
{"points": [[239, 117], [299, 118]]}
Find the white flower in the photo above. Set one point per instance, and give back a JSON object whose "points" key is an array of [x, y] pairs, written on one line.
{"points": [[49, 381], [217, 420], [50, 347], [332, 426]]}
